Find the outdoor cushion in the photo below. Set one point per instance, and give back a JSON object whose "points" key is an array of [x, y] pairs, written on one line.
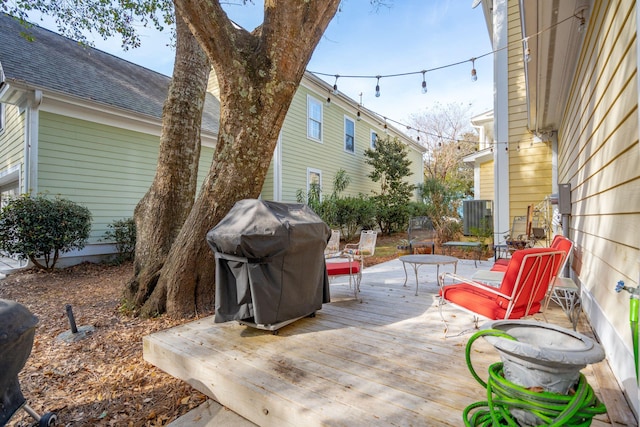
{"points": [[342, 268], [500, 265], [484, 303]]}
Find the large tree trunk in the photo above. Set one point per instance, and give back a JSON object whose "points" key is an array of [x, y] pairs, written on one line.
{"points": [[258, 74], [162, 211]]}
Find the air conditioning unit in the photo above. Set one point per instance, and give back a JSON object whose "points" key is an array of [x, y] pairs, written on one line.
{"points": [[476, 214]]}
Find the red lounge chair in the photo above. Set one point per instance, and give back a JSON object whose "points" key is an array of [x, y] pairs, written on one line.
{"points": [[523, 288], [559, 242]]}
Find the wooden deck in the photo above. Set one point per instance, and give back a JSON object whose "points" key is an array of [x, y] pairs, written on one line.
{"points": [[380, 362]]}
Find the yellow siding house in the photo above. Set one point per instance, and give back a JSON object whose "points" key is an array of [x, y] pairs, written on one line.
{"points": [[566, 123]]}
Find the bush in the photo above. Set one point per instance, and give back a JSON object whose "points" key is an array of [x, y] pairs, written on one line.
{"points": [[390, 167], [392, 213], [450, 229], [123, 233], [37, 227], [354, 213]]}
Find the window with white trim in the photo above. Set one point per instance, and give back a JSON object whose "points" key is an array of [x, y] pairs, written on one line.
{"points": [[349, 135], [373, 139], [314, 119], [314, 182]]}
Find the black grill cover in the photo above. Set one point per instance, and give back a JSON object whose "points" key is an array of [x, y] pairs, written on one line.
{"points": [[17, 329], [269, 262]]}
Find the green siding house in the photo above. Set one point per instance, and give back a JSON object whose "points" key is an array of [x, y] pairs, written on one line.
{"points": [[82, 124], [323, 133]]}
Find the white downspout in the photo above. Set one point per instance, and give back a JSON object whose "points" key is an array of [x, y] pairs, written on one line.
{"points": [[501, 122], [32, 114]]}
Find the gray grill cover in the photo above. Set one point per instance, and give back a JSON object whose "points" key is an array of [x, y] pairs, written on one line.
{"points": [[269, 262], [17, 330]]}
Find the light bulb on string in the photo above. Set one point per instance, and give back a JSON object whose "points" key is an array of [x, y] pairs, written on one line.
{"points": [[378, 87], [474, 74], [581, 22], [424, 82], [527, 51], [335, 85], [358, 116]]}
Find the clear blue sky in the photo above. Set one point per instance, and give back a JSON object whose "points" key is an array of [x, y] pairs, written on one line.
{"points": [[409, 36]]}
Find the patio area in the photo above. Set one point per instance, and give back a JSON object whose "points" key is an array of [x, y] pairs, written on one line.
{"points": [[383, 361]]}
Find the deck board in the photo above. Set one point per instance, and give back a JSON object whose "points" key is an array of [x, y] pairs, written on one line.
{"points": [[383, 361]]}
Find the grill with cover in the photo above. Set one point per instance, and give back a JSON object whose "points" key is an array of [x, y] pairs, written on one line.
{"points": [[270, 268], [17, 331]]}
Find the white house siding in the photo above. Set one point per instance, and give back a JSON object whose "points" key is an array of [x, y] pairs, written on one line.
{"points": [[104, 168], [599, 157], [12, 141], [529, 164]]}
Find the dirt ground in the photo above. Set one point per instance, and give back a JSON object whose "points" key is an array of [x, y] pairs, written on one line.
{"points": [[102, 379]]}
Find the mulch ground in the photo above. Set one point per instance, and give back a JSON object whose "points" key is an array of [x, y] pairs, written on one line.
{"points": [[101, 380]]}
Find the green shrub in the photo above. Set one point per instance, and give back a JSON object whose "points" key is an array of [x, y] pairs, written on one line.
{"points": [[38, 227], [123, 233], [450, 229], [354, 213], [390, 168], [392, 212]]}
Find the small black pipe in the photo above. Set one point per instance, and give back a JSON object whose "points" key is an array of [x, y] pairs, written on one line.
{"points": [[72, 320]]}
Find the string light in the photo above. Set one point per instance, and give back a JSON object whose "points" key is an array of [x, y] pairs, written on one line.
{"points": [[335, 85], [474, 77], [581, 22], [358, 116], [490, 146], [527, 51], [474, 74]]}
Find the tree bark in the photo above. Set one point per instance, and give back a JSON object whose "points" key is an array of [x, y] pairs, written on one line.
{"points": [[258, 74], [161, 213]]}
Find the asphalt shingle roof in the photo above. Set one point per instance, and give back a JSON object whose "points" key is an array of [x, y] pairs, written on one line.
{"points": [[52, 62]]}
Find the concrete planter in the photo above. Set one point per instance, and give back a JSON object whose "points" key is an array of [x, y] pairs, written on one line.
{"points": [[544, 356]]}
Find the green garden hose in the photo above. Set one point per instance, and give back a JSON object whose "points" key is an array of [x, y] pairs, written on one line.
{"points": [[553, 409]]}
